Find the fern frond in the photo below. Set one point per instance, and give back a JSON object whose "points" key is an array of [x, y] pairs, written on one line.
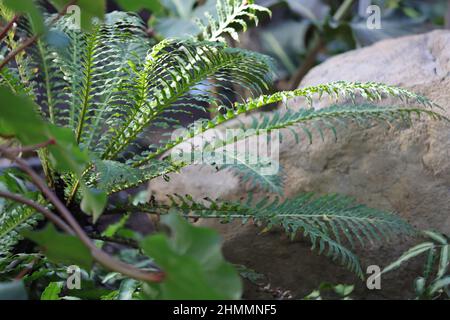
{"points": [[177, 69], [254, 170], [111, 176], [9, 78], [14, 218], [46, 78], [328, 118], [329, 222], [340, 90], [230, 13], [92, 64], [336, 90]]}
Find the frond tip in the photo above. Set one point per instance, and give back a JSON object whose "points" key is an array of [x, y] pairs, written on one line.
{"points": [[229, 13], [329, 221]]}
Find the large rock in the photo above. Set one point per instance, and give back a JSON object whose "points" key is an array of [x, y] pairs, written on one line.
{"points": [[406, 171]]}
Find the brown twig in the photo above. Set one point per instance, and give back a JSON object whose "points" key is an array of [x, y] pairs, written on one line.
{"points": [[33, 39], [99, 255], [32, 148], [25, 271], [47, 213]]}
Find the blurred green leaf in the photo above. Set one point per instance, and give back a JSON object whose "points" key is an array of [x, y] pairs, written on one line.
{"points": [[313, 10], [65, 154], [193, 263], [343, 290], [61, 248], [285, 42], [94, 202], [17, 110]]}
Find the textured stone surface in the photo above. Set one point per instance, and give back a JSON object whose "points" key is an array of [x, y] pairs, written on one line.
{"points": [[406, 171]]}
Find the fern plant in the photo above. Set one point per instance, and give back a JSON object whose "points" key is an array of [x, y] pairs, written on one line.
{"points": [[437, 251], [98, 92]]}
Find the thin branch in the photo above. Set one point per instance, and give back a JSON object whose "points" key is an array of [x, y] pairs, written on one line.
{"points": [[99, 255], [15, 52], [33, 39], [47, 213], [25, 271], [8, 27]]}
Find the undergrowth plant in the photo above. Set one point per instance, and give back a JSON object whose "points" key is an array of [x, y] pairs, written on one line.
{"points": [[82, 99], [434, 283]]}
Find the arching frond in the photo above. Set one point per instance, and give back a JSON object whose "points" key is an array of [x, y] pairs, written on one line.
{"points": [[93, 67], [175, 76], [229, 14], [329, 222], [336, 90], [111, 176]]}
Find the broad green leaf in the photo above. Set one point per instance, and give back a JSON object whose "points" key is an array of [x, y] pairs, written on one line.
{"points": [[27, 7], [15, 112], [181, 20], [65, 154], [94, 202], [343, 290], [61, 248], [193, 263], [13, 291], [181, 8], [89, 9], [52, 291], [135, 5], [19, 110]]}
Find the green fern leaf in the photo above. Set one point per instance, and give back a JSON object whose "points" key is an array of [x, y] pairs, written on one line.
{"points": [[229, 14]]}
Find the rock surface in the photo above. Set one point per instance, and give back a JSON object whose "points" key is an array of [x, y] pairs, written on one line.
{"points": [[406, 171]]}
